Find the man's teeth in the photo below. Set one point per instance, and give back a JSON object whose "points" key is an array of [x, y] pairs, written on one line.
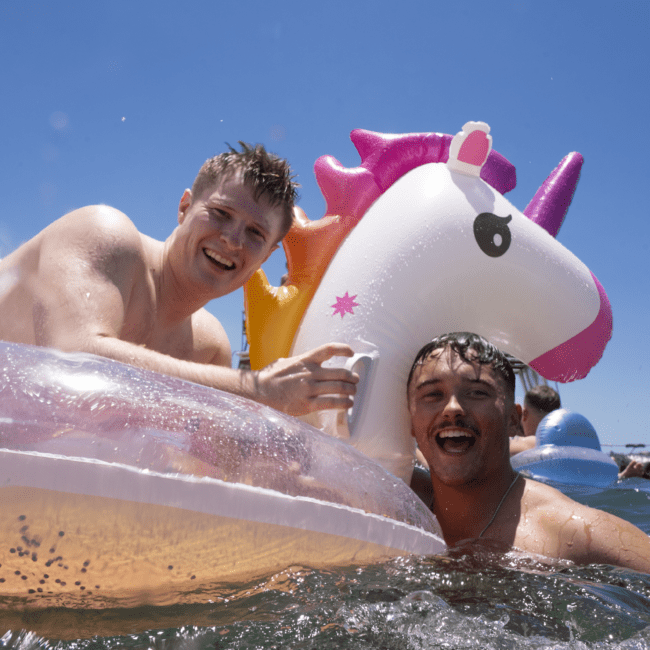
{"points": [[217, 258], [455, 441], [455, 433]]}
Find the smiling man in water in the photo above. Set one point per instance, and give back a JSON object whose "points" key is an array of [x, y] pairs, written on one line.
{"points": [[461, 400], [92, 282]]}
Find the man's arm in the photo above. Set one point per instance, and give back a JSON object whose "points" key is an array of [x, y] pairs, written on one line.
{"points": [[93, 269], [611, 540], [572, 531], [633, 469], [521, 443], [297, 385]]}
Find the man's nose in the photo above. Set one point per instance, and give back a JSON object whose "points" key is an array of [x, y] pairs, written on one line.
{"points": [[453, 406], [233, 235]]}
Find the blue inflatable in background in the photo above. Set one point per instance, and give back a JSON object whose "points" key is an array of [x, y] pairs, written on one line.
{"points": [[565, 428], [568, 451]]}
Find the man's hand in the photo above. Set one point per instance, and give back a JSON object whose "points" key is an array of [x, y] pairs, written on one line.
{"points": [[300, 385]]}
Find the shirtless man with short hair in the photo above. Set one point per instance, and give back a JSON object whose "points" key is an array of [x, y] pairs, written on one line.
{"points": [[461, 400], [92, 282], [539, 401]]}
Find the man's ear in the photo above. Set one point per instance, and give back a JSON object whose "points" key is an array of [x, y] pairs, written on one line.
{"points": [[515, 421], [408, 406], [184, 204]]}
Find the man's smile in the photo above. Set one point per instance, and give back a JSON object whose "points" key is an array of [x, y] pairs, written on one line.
{"points": [[456, 440], [218, 260]]}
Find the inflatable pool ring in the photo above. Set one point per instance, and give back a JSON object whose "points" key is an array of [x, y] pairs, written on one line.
{"points": [[568, 451], [418, 241], [121, 487]]}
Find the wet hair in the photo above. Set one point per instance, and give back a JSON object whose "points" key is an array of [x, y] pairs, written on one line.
{"points": [[265, 173], [543, 399], [462, 343]]}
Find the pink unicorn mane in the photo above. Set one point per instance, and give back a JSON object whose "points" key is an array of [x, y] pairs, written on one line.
{"points": [[385, 158]]}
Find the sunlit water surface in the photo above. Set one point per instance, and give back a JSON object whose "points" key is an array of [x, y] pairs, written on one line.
{"points": [[464, 600]]}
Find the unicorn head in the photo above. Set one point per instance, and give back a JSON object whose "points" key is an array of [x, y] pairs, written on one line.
{"points": [[418, 241]]}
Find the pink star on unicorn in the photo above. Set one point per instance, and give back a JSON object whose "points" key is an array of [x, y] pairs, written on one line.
{"points": [[344, 304]]}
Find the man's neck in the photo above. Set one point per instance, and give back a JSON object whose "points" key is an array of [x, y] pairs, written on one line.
{"points": [[174, 304], [464, 511]]}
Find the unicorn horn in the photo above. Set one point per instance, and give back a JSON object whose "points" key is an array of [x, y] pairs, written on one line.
{"points": [[552, 200]]}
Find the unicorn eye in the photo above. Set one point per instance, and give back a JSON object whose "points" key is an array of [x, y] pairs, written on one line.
{"points": [[492, 233]]}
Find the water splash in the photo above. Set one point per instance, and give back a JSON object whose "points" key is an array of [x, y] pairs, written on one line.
{"points": [[462, 601]]}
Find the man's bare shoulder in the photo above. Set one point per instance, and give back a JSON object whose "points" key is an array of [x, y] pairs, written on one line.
{"points": [[546, 508], [582, 534], [97, 243], [84, 273], [92, 225], [211, 344]]}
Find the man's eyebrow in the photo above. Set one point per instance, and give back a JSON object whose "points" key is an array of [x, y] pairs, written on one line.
{"points": [[220, 203], [434, 381], [483, 382], [427, 382]]}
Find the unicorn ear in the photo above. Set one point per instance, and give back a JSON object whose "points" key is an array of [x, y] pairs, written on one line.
{"points": [[469, 149]]}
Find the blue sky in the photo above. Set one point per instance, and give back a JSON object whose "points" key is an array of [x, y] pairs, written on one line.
{"points": [[120, 102]]}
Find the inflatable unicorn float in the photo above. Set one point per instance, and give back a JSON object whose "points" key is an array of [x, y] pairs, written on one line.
{"points": [[418, 241]]}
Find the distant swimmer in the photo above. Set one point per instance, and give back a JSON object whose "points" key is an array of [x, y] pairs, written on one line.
{"points": [[92, 282], [461, 395], [539, 401], [635, 469]]}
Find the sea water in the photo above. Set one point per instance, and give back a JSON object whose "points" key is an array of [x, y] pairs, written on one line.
{"points": [[460, 600]]}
